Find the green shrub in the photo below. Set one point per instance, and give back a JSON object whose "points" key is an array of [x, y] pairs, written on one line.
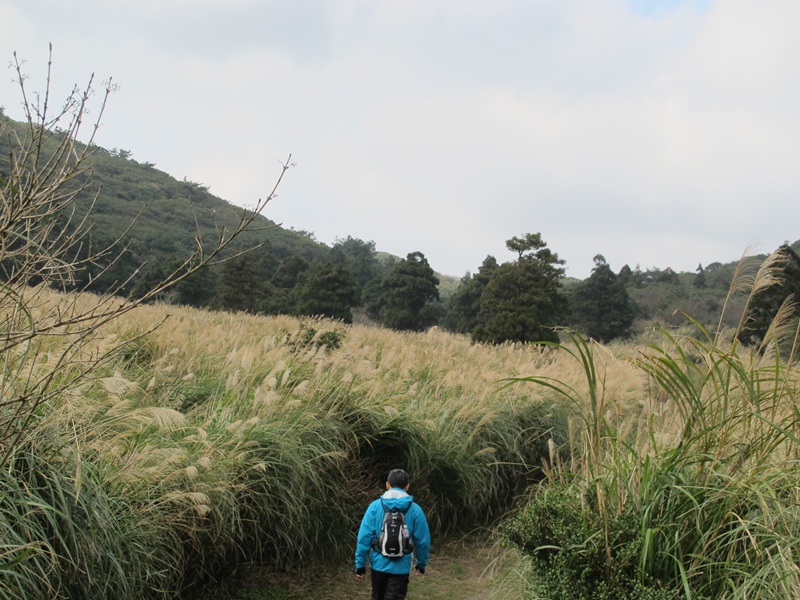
{"points": [[307, 337], [198, 391], [139, 352], [574, 556]]}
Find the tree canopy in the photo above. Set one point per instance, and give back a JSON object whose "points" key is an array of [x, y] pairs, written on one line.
{"points": [[465, 303], [359, 257], [403, 299], [329, 290], [239, 288], [600, 306], [764, 305], [523, 301]]}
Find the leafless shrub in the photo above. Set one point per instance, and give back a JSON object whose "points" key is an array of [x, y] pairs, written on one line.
{"points": [[44, 243]]}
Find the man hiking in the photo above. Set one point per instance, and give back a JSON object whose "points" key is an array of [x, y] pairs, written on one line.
{"points": [[393, 528]]}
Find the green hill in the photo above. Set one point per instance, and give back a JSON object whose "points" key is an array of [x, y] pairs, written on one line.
{"points": [[168, 213]]}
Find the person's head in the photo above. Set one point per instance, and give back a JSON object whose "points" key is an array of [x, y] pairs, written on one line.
{"points": [[397, 479]]}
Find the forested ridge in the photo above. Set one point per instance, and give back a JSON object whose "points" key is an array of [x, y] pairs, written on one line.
{"points": [[289, 272]]}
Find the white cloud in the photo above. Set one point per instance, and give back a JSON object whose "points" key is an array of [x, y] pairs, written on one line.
{"points": [[663, 138]]}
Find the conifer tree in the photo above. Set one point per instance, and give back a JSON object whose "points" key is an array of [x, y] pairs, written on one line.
{"points": [[699, 280], [523, 301], [765, 304], [600, 306], [329, 290], [403, 299], [465, 303], [287, 274], [239, 287], [359, 257]]}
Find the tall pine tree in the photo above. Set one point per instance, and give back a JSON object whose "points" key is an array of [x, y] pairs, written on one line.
{"points": [[465, 303], [239, 286], [329, 290], [523, 301], [764, 305], [600, 306], [403, 299]]}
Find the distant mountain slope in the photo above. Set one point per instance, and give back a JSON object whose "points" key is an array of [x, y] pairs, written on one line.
{"points": [[168, 213]]}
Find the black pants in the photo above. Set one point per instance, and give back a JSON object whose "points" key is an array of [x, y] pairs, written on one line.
{"points": [[388, 586]]}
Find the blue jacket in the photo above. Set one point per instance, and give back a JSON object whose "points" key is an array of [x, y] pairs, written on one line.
{"points": [[371, 527]]}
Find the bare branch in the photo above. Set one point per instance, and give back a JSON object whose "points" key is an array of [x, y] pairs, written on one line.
{"points": [[45, 241]]}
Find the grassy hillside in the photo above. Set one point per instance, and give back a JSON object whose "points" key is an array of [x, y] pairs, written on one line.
{"points": [[168, 213]]}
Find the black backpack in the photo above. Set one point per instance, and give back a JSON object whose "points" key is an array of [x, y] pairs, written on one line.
{"points": [[394, 540]]}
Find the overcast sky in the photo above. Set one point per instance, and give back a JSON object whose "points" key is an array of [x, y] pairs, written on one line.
{"points": [[659, 133]]}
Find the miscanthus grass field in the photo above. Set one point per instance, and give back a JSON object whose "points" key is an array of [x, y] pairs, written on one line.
{"points": [[660, 468], [221, 439]]}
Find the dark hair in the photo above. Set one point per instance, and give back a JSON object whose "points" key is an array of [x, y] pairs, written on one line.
{"points": [[397, 478]]}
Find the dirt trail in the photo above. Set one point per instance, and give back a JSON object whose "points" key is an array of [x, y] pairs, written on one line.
{"points": [[455, 572]]}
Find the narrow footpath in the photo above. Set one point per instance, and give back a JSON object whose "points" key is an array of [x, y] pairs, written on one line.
{"points": [[455, 572]]}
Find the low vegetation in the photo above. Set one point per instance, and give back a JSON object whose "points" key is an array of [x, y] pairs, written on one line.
{"points": [[687, 490], [223, 439], [658, 470]]}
